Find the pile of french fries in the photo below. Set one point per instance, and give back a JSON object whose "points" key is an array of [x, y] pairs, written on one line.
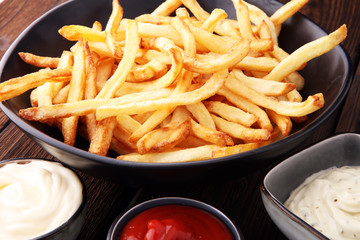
{"points": [[178, 84]]}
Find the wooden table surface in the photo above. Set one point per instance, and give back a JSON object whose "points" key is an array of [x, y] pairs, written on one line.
{"points": [[239, 198]]}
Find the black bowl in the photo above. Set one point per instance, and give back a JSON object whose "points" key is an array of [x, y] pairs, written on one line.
{"points": [[72, 227], [337, 151], [120, 222], [42, 38]]}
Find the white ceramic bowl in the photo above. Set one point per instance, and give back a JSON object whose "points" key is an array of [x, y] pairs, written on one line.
{"points": [[69, 229]]}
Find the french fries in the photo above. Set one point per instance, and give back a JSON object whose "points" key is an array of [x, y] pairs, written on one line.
{"points": [[178, 84]]}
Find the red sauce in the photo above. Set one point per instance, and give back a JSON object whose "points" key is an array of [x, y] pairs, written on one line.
{"points": [[175, 222]]}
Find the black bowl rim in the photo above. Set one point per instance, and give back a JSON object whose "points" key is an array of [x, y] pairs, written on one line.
{"points": [[79, 210], [163, 201], [22, 124], [265, 191]]}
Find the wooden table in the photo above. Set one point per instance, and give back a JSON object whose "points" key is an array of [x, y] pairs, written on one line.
{"points": [[239, 198]]}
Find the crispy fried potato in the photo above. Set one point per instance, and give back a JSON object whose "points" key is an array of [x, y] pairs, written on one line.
{"points": [[165, 138], [284, 123], [166, 8], [111, 29], [307, 52], [176, 85], [210, 135], [293, 109], [243, 19], [210, 23], [208, 90], [16, 86], [76, 93], [286, 11], [39, 61], [75, 32], [239, 148], [266, 87], [239, 131], [231, 113], [201, 114], [247, 106], [177, 155]]}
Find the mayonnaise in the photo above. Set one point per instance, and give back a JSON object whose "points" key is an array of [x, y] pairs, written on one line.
{"points": [[36, 198], [330, 202]]}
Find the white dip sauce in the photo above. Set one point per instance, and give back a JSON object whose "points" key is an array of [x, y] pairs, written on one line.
{"points": [[330, 202], [36, 198]]}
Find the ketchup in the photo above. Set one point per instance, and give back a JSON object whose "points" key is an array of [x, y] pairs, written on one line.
{"points": [[175, 222]]}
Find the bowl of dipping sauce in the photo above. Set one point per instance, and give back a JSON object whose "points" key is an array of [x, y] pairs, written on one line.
{"points": [[315, 194], [40, 199], [173, 218]]}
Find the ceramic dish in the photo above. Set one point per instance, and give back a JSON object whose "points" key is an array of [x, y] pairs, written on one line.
{"points": [[47, 209], [340, 150], [42, 38], [123, 219]]}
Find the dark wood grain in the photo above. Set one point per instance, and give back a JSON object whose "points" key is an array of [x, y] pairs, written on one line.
{"points": [[238, 198], [350, 117]]}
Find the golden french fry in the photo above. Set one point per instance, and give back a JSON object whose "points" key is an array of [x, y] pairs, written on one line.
{"points": [[90, 91], [111, 28], [126, 63], [293, 77], [100, 143], [191, 142], [147, 71], [247, 106], [210, 135], [154, 19], [225, 29], [210, 23], [39, 61], [165, 88], [127, 123], [294, 96], [102, 136], [243, 18], [165, 138], [76, 93], [186, 36], [84, 107], [306, 53], [160, 115], [250, 63], [16, 86], [75, 32], [121, 142], [103, 72], [239, 148], [239, 131], [283, 122], [182, 155], [266, 87], [201, 114], [151, 122], [287, 10], [220, 44], [207, 90], [166, 8], [157, 55], [62, 95], [33, 98], [102, 49], [231, 113], [224, 61], [292, 109]]}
